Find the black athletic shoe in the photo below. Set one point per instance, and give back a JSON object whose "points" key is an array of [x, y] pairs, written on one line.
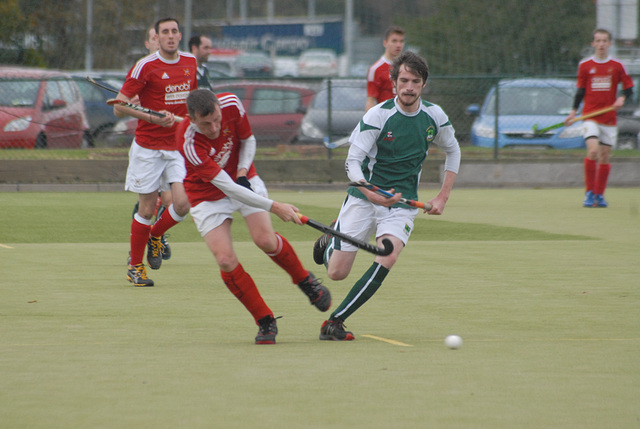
{"points": [[333, 330], [155, 248], [318, 294], [137, 275], [166, 252], [267, 330], [320, 246]]}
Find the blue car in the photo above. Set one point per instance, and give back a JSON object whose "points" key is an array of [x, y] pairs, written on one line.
{"points": [[523, 104]]}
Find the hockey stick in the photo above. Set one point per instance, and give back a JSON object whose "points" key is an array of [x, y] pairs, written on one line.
{"points": [[99, 85], [379, 191], [381, 251], [340, 142], [579, 118], [113, 101]]}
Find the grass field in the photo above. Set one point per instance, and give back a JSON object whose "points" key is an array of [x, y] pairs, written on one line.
{"points": [[543, 292]]}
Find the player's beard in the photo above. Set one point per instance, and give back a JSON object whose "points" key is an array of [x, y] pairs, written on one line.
{"points": [[408, 100]]}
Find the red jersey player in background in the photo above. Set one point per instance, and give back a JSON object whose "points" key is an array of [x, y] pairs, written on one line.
{"points": [[598, 79], [379, 86], [218, 147], [162, 81]]}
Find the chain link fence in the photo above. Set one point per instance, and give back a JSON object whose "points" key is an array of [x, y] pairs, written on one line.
{"points": [[504, 56]]}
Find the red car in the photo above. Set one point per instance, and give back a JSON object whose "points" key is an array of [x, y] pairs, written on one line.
{"points": [[41, 109], [275, 109]]}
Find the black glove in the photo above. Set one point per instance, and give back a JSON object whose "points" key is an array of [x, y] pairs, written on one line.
{"points": [[243, 181]]}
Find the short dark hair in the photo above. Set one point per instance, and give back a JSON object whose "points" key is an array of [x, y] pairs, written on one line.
{"points": [[601, 30], [411, 61], [202, 102], [394, 29], [195, 41], [162, 21]]}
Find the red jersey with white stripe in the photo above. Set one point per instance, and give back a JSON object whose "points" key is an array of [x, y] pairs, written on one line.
{"points": [[379, 83], [205, 158], [600, 80], [161, 85]]}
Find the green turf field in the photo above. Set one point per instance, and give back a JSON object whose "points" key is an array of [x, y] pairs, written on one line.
{"points": [[543, 292]]}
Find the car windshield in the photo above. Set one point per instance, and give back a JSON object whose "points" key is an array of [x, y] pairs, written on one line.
{"points": [[342, 97], [19, 93], [532, 101]]}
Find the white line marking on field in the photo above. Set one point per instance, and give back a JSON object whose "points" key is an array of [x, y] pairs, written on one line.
{"points": [[5, 246], [386, 340]]}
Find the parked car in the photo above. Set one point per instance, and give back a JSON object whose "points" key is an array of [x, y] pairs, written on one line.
{"points": [[275, 110], [318, 63], [99, 113], [254, 64], [628, 128], [41, 109], [524, 103], [286, 67], [348, 98]]}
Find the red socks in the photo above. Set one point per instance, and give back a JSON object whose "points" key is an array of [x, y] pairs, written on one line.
{"points": [[601, 178], [243, 287], [138, 240], [590, 174], [165, 222], [287, 259], [596, 176]]}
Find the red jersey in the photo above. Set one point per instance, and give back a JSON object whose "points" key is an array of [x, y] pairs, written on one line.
{"points": [[161, 85], [600, 81], [205, 158], [379, 83]]}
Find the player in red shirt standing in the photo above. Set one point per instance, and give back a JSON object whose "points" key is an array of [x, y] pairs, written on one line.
{"points": [[379, 86], [218, 147], [162, 81], [598, 79]]}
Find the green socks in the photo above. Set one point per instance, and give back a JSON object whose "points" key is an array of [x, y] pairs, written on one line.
{"points": [[361, 291]]}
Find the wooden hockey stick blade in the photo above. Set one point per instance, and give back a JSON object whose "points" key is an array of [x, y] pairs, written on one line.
{"points": [[99, 85], [379, 191], [113, 101], [381, 251], [579, 118]]}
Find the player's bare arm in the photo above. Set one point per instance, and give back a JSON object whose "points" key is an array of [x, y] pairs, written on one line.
{"points": [[286, 212], [440, 201]]}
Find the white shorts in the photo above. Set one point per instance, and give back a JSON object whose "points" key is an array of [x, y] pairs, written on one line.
{"points": [[209, 215], [361, 219], [150, 170], [606, 134]]}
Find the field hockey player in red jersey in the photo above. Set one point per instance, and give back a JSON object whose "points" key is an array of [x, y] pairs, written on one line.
{"points": [[161, 81], [218, 147]]}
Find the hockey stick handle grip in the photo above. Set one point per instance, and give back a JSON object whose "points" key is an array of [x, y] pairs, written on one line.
{"points": [[377, 190], [131, 106]]}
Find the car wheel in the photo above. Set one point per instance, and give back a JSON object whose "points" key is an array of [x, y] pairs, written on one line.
{"points": [[627, 141], [87, 140], [101, 136], [41, 141]]}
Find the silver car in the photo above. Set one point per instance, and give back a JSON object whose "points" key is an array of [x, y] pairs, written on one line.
{"points": [[348, 98]]}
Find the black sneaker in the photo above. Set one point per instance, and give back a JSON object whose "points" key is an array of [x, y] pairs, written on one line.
{"points": [[320, 246], [333, 330], [155, 248], [166, 252], [318, 294], [137, 275], [267, 330]]}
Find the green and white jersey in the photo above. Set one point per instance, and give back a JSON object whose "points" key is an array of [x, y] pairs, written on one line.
{"points": [[389, 146]]}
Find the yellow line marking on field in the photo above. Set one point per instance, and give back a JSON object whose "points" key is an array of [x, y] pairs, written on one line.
{"points": [[5, 246], [386, 340]]}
